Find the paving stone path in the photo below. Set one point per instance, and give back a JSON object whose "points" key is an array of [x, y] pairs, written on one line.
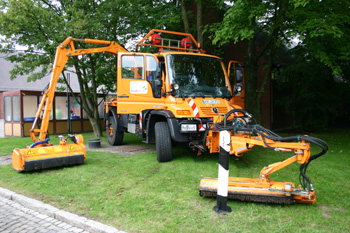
{"points": [[4, 160], [17, 218], [19, 213]]}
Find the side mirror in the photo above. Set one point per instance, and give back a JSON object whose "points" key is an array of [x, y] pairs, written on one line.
{"points": [[157, 82], [158, 72], [158, 79], [239, 75]]}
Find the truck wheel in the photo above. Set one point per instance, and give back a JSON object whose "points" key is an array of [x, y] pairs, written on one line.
{"points": [[114, 137], [163, 142]]}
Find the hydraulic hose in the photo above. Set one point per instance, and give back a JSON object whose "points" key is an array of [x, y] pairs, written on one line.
{"points": [[39, 142], [237, 110], [268, 134]]}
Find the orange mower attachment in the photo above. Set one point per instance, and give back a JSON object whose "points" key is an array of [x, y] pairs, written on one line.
{"points": [[233, 135], [37, 156]]}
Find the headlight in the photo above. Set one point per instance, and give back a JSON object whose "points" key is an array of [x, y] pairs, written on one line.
{"points": [[188, 127]]}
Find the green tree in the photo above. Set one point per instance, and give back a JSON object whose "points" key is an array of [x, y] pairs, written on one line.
{"points": [[315, 23], [323, 27], [313, 95], [196, 14], [41, 25]]}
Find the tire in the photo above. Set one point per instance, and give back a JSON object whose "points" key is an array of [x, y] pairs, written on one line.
{"points": [[163, 142], [114, 137]]}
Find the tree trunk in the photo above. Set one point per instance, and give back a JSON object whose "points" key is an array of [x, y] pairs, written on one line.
{"points": [[268, 67], [199, 22], [184, 16], [251, 80], [96, 126], [89, 105]]}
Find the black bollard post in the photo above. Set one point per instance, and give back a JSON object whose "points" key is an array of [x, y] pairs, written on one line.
{"points": [[223, 175]]}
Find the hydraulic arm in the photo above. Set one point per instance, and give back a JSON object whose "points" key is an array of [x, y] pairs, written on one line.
{"points": [[71, 150], [243, 137]]}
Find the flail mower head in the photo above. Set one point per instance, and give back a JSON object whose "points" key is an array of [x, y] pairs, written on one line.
{"points": [[41, 155]]}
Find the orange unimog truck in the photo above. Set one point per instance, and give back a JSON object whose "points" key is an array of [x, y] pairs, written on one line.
{"points": [[168, 96]]}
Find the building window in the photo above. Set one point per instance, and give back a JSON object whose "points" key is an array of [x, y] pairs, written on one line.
{"points": [[74, 108], [8, 108], [61, 108], [16, 103], [30, 105]]}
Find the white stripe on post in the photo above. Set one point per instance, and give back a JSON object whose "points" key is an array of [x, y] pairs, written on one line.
{"points": [[221, 207], [225, 140], [222, 181]]}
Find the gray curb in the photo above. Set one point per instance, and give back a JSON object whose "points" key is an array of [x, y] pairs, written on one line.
{"points": [[72, 219]]}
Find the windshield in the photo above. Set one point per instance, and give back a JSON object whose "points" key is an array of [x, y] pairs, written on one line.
{"points": [[197, 76]]}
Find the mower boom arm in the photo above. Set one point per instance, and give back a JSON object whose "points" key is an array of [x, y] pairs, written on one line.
{"points": [[65, 50], [300, 149]]}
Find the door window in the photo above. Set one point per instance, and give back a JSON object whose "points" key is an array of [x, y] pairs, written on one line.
{"points": [[132, 67], [151, 68]]}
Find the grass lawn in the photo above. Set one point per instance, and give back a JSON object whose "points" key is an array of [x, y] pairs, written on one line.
{"points": [[138, 194]]}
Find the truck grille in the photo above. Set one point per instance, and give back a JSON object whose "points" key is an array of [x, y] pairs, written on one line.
{"points": [[207, 111]]}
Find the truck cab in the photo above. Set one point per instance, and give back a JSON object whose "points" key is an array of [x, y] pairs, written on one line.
{"points": [[169, 96]]}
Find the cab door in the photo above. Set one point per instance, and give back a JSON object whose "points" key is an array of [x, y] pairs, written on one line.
{"points": [[139, 83], [237, 81]]}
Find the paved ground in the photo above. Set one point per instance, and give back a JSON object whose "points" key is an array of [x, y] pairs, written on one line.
{"points": [[17, 218], [4, 160], [22, 214], [123, 150]]}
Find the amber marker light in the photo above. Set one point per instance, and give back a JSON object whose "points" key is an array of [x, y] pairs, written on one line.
{"points": [[183, 112]]}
